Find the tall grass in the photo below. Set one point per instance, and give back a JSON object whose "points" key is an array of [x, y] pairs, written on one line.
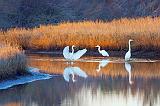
{"points": [[113, 35], [12, 61]]}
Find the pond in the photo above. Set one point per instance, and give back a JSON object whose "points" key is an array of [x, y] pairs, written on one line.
{"points": [[91, 81]]}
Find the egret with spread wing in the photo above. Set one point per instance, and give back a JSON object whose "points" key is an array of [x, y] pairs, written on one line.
{"points": [[71, 56]]}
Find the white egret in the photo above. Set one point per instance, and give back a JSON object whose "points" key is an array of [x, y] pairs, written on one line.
{"points": [[71, 56], [73, 71], [128, 54], [103, 52], [128, 68], [102, 64]]}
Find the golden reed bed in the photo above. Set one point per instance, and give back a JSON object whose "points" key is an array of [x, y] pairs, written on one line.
{"points": [[112, 35], [12, 61]]}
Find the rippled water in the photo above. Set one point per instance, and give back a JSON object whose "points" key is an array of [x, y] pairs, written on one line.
{"points": [[91, 81]]}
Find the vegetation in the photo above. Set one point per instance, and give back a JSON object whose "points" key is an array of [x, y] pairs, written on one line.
{"points": [[12, 61], [111, 35]]}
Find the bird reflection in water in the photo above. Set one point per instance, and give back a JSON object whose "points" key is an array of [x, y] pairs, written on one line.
{"points": [[73, 71], [102, 64], [128, 69]]}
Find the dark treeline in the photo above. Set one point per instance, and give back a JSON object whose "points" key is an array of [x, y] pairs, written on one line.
{"points": [[30, 13]]}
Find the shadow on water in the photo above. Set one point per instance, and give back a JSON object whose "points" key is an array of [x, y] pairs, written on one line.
{"points": [[80, 84]]}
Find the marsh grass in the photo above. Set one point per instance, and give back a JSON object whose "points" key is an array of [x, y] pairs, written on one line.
{"points": [[112, 35], [12, 61]]}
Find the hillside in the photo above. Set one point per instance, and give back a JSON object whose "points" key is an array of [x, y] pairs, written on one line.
{"points": [[30, 13]]}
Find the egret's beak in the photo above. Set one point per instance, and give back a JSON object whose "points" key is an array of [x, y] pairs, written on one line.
{"points": [[96, 46], [73, 46]]}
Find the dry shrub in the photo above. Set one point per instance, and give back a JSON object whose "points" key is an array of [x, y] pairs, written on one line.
{"points": [[12, 61]]}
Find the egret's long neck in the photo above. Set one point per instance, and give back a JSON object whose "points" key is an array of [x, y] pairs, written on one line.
{"points": [[99, 48], [72, 50], [129, 46]]}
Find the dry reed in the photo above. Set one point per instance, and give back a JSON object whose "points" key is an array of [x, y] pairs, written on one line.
{"points": [[12, 61], [113, 35]]}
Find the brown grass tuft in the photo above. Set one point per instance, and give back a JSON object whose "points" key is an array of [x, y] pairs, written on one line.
{"points": [[12, 61]]}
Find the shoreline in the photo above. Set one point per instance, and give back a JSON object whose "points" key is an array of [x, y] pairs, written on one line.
{"points": [[143, 54]]}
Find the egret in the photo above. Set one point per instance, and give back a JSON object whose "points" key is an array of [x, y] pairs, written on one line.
{"points": [[128, 68], [103, 52], [73, 71], [102, 64], [71, 56], [128, 54]]}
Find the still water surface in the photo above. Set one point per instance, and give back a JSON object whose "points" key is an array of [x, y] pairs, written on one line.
{"points": [[92, 81]]}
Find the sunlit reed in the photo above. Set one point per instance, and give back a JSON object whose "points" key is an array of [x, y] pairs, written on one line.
{"points": [[112, 35]]}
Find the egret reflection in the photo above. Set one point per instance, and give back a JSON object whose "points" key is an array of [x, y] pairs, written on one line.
{"points": [[128, 68], [73, 71], [102, 64]]}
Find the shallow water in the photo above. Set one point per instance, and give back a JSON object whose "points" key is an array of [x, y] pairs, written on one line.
{"points": [[91, 81]]}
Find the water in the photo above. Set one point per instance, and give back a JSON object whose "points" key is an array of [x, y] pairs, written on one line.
{"points": [[91, 81]]}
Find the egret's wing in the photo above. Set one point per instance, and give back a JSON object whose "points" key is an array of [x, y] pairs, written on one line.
{"points": [[104, 53], [127, 55], [66, 52], [128, 67], [79, 72], [66, 73], [78, 54]]}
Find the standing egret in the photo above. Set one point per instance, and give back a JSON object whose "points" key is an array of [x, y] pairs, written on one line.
{"points": [[102, 64], [128, 68], [71, 56], [128, 54], [103, 52], [73, 71]]}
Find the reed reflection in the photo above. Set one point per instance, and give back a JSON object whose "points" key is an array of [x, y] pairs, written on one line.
{"points": [[111, 83], [145, 70], [73, 71]]}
